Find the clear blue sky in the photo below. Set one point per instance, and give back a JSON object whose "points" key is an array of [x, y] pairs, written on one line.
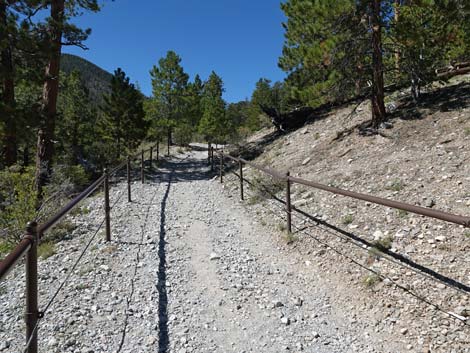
{"points": [[241, 40]]}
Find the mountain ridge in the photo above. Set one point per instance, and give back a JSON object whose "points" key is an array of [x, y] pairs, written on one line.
{"points": [[96, 79]]}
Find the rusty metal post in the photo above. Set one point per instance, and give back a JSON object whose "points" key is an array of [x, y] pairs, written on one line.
{"points": [[212, 159], [107, 208], [142, 171], [288, 204], [208, 153], [158, 150], [129, 199], [240, 164], [32, 312], [221, 166]]}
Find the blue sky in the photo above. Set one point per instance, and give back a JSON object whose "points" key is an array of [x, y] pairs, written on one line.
{"points": [[241, 40]]}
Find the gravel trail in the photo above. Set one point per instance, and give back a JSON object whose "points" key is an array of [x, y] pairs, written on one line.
{"points": [[188, 270]]}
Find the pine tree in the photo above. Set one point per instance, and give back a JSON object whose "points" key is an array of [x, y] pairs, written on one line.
{"points": [[169, 85], [76, 124], [58, 31], [429, 35], [123, 125], [20, 57], [213, 125], [331, 46]]}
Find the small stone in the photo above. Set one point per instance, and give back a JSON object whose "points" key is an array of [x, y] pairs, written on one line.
{"points": [[285, 321], [306, 160], [52, 342], [440, 238], [315, 334], [429, 203], [298, 302], [4, 345], [104, 268], [462, 311], [378, 235], [150, 341], [404, 331], [277, 304], [214, 256]]}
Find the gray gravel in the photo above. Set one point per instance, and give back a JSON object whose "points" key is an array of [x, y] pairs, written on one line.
{"points": [[188, 270]]}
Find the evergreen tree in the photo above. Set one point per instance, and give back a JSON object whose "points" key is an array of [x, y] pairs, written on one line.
{"points": [[76, 124], [429, 35], [21, 55], [266, 95], [213, 125], [169, 86], [123, 125], [331, 46], [57, 31]]}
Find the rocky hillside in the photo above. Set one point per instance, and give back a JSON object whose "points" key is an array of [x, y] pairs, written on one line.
{"points": [[95, 78], [422, 157]]}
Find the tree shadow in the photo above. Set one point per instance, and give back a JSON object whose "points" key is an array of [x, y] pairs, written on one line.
{"points": [[445, 99]]}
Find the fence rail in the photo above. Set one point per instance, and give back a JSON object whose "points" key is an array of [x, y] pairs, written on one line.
{"points": [[27, 247], [427, 212], [350, 238]]}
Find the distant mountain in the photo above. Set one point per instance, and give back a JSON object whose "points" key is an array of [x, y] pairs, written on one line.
{"points": [[97, 80]]}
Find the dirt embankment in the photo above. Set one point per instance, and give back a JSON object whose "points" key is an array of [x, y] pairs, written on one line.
{"points": [[423, 159]]}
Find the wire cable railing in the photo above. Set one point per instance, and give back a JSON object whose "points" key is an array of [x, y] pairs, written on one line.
{"points": [[27, 247], [309, 222]]}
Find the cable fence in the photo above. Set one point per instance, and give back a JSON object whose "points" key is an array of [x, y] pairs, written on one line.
{"points": [[298, 221], [28, 247]]}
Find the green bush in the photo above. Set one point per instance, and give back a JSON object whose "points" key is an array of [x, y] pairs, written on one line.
{"points": [[46, 249], [17, 203]]}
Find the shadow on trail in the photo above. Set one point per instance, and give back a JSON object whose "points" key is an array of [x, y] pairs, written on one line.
{"points": [[163, 337], [181, 170]]}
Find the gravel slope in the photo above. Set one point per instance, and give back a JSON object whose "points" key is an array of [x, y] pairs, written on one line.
{"points": [[188, 270]]}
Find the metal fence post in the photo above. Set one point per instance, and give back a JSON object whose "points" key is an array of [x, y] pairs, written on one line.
{"points": [[288, 204], [221, 166], [32, 312], [212, 159], [142, 174], [129, 199], [240, 164], [158, 150], [208, 152], [107, 209]]}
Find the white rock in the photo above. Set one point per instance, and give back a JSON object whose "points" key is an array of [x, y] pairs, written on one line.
{"points": [[214, 256]]}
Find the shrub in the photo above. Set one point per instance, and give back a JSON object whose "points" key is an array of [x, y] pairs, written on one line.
{"points": [[46, 249], [371, 280], [267, 187], [17, 203], [402, 213], [383, 244], [396, 185], [348, 219]]}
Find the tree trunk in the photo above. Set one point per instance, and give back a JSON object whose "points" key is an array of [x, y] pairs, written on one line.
{"points": [[398, 52], [10, 144], [45, 147], [377, 97]]}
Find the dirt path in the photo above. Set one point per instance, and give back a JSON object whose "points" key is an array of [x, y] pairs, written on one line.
{"points": [[188, 270], [230, 289]]}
